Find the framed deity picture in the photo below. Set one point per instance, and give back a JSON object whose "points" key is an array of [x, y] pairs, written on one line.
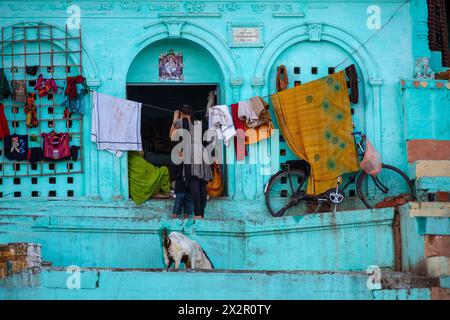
{"points": [[171, 66]]}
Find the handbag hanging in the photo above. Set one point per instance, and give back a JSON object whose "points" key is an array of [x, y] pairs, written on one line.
{"points": [[56, 145], [215, 187]]}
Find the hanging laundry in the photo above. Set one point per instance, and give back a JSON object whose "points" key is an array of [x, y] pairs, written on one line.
{"points": [[19, 90], [56, 145], [31, 70], [16, 147], [263, 127], [76, 105], [71, 86], [35, 154], [219, 119], [282, 80], [352, 76], [30, 111], [74, 152], [263, 131], [239, 140], [116, 124], [5, 90], [146, 180], [45, 86], [316, 122], [247, 114], [4, 129]]}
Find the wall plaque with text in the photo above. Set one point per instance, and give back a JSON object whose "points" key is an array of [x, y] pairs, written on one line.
{"points": [[245, 35]]}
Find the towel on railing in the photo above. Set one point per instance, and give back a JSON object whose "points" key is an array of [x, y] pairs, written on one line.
{"points": [[116, 124]]}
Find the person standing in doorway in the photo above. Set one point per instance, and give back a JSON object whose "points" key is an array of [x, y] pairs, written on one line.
{"points": [[196, 172]]}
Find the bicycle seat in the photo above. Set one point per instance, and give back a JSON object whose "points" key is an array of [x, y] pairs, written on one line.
{"points": [[298, 164]]}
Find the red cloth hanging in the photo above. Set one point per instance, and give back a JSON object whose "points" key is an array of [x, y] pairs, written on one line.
{"points": [[71, 86], [239, 148], [4, 130]]}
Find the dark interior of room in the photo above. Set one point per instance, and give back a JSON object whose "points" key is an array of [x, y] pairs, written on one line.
{"points": [[155, 123]]}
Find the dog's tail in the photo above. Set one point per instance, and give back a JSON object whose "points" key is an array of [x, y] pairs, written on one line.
{"points": [[206, 255]]}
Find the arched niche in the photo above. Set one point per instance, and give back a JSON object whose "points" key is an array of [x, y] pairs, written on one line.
{"points": [[199, 66], [345, 45]]}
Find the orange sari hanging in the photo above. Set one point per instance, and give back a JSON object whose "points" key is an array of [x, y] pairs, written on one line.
{"points": [[316, 123]]}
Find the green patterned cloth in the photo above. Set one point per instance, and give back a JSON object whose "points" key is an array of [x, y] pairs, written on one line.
{"points": [[146, 180]]}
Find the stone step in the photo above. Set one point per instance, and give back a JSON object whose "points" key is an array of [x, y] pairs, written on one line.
{"points": [[103, 283]]}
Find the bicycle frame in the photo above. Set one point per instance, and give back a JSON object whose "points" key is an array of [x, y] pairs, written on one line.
{"points": [[299, 195]]}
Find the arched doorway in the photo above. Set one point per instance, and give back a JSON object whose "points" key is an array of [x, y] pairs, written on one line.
{"points": [[308, 61], [162, 90]]}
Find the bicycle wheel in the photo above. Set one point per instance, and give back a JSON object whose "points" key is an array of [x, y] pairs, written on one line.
{"points": [[390, 182], [280, 190]]}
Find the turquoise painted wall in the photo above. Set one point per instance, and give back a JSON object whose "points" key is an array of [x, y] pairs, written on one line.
{"points": [[120, 236], [121, 42], [100, 227], [304, 33]]}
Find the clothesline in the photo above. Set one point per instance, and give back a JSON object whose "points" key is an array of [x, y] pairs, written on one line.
{"points": [[160, 108]]}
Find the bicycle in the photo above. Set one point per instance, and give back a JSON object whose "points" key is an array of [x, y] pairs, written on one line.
{"points": [[284, 189]]}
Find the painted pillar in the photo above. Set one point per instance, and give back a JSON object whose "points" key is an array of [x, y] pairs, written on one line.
{"points": [[234, 180], [373, 117]]}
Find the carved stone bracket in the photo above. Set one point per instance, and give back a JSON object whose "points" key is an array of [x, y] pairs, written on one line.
{"points": [[258, 81], [174, 28], [315, 31], [376, 82], [93, 83], [236, 81]]}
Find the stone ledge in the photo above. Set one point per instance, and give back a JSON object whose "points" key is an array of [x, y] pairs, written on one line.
{"points": [[438, 266], [104, 283], [432, 168], [429, 209]]}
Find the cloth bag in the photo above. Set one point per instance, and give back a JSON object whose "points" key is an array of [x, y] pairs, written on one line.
{"points": [[371, 163]]}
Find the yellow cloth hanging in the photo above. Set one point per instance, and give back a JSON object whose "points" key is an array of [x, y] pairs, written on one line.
{"points": [[316, 123]]}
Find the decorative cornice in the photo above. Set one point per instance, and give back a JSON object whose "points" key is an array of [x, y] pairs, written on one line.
{"points": [[190, 15], [425, 84], [289, 15]]}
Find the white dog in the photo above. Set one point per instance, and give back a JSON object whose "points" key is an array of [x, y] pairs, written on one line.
{"points": [[178, 248]]}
